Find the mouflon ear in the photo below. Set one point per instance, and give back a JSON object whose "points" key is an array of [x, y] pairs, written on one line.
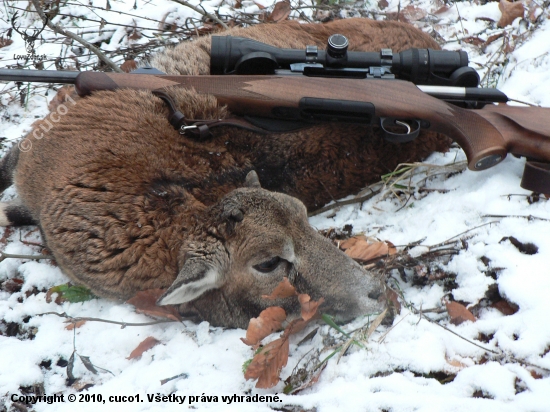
{"points": [[252, 180], [198, 275]]}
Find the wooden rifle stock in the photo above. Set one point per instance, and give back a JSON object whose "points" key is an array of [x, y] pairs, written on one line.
{"points": [[486, 135]]}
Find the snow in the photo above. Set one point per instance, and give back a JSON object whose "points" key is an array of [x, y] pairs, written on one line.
{"points": [[396, 370]]}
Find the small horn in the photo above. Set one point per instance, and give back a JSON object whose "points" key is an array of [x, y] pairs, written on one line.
{"points": [[252, 180]]}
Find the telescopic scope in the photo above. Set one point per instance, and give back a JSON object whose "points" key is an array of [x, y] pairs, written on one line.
{"points": [[239, 55]]}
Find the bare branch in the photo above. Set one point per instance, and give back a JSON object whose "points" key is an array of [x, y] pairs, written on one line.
{"points": [[200, 11], [56, 28]]}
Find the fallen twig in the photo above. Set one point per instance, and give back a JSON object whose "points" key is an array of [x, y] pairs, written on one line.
{"points": [[123, 324], [4, 255], [528, 217]]}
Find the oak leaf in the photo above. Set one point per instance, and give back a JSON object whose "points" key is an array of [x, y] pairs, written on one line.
{"points": [[145, 302], [145, 345], [269, 321], [510, 11], [459, 313]]}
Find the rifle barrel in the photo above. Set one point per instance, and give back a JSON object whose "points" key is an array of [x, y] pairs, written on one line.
{"points": [[39, 76]]}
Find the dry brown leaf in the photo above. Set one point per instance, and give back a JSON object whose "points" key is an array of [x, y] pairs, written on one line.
{"points": [[459, 313], [260, 6], [267, 363], [146, 303], [58, 299], [128, 65], [413, 13], [136, 35], [535, 374], [476, 41], [280, 12], [455, 363], [359, 248], [382, 4], [375, 323], [309, 307], [505, 307], [492, 38], [442, 9], [147, 344], [283, 290], [533, 11], [80, 386], [269, 321], [393, 297], [510, 11], [13, 285], [73, 325]]}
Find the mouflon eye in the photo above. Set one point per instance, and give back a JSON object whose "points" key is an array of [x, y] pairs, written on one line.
{"points": [[269, 265]]}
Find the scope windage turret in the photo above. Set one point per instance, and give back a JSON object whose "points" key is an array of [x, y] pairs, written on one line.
{"points": [[239, 55]]}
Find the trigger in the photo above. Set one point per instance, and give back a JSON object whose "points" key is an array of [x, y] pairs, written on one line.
{"points": [[399, 130]]}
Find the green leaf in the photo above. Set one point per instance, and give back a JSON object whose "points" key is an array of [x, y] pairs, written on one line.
{"points": [[329, 321], [73, 294]]}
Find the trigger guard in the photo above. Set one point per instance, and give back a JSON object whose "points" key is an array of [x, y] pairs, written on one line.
{"points": [[413, 126]]}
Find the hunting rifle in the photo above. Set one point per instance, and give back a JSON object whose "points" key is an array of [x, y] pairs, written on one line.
{"points": [[284, 89]]}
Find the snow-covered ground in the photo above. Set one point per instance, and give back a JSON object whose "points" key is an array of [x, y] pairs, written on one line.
{"points": [[414, 365]]}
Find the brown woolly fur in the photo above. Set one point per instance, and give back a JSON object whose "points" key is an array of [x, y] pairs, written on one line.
{"points": [[126, 203]]}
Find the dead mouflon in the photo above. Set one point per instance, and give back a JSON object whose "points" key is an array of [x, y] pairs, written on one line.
{"points": [[125, 203]]}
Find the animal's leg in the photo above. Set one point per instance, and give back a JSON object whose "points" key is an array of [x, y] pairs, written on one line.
{"points": [[12, 213], [7, 168]]}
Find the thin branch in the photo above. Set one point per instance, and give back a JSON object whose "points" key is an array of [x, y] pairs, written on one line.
{"points": [[200, 11], [453, 332], [340, 203], [181, 375], [4, 255], [528, 217], [123, 324], [56, 28], [463, 233]]}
